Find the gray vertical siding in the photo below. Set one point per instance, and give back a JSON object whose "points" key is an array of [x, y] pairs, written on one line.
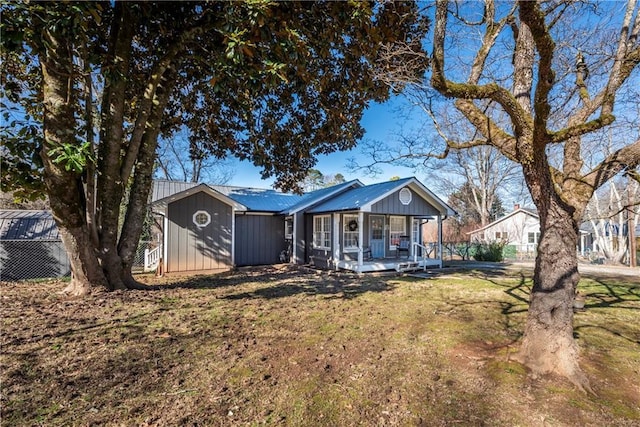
{"points": [[391, 205], [259, 239], [193, 248]]}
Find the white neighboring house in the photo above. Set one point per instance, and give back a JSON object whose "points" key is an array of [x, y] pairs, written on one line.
{"points": [[519, 228]]}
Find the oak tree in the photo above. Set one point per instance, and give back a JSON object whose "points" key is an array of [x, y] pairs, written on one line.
{"points": [[560, 72]]}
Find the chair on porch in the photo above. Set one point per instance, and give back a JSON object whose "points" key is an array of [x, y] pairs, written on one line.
{"points": [[403, 246]]}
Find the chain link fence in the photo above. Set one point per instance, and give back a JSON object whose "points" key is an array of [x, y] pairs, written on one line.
{"points": [[33, 259], [40, 259]]}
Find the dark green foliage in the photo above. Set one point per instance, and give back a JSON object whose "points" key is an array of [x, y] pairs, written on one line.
{"points": [[492, 252]]}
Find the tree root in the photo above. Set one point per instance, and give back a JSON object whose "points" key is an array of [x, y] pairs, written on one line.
{"points": [[75, 289], [567, 368]]}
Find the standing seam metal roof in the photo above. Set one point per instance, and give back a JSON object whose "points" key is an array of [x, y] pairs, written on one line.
{"points": [[357, 197], [255, 199], [27, 225], [316, 196]]}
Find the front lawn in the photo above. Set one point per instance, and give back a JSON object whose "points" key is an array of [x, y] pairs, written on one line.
{"points": [[282, 345]]}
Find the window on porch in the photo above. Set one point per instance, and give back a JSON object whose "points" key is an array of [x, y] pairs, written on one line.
{"points": [[322, 232], [350, 232], [397, 228]]}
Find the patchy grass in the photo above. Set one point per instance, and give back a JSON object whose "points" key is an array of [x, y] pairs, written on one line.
{"points": [[290, 346]]}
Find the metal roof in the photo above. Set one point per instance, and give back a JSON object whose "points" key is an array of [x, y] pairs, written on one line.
{"points": [[316, 196], [351, 195], [356, 198], [363, 198], [254, 199], [260, 200], [164, 188], [27, 225]]}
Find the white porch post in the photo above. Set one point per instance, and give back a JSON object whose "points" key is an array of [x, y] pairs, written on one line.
{"points": [[360, 240], [440, 251], [233, 237], [336, 239], [165, 240]]}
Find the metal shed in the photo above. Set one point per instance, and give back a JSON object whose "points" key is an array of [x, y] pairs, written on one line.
{"points": [[30, 246]]}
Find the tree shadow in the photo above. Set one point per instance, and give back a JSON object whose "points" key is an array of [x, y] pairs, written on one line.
{"points": [[333, 287], [267, 274], [617, 295], [283, 281]]}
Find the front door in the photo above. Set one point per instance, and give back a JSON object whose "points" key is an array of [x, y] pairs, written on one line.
{"points": [[376, 236]]}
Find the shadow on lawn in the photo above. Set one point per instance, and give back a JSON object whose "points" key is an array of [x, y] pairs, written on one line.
{"points": [[619, 296], [265, 274], [333, 287]]}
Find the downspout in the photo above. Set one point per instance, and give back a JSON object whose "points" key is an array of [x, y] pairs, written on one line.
{"points": [[360, 241]]}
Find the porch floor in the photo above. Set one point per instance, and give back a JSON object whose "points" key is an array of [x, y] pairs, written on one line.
{"points": [[384, 264]]}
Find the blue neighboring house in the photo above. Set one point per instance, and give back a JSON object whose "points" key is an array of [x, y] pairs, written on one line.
{"points": [[347, 226]]}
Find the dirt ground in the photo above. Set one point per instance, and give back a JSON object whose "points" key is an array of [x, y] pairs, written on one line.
{"points": [[292, 346]]}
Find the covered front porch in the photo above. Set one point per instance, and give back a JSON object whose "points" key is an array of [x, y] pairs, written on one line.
{"points": [[418, 259], [377, 228]]}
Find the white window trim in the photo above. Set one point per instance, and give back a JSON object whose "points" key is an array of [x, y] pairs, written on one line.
{"points": [[402, 233], [322, 231], [195, 215], [346, 219]]}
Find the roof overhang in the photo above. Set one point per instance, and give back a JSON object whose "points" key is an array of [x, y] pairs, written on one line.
{"points": [[499, 220], [161, 205], [340, 188], [419, 188]]}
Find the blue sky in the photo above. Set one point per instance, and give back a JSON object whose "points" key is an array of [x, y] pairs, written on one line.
{"points": [[380, 121]]}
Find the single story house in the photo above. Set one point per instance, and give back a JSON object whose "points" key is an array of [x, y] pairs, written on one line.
{"points": [[347, 226], [519, 228], [30, 246]]}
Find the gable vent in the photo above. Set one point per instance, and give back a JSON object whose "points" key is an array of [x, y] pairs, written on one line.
{"points": [[405, 196]]}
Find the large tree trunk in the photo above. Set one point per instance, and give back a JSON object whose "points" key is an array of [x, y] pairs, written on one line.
{"points": [[548, 345], [64, 187]]}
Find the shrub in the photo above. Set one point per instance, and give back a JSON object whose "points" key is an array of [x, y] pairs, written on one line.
{"points": [[491, 252]]}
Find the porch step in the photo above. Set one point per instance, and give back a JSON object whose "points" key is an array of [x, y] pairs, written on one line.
{"points": [[407, 266]]}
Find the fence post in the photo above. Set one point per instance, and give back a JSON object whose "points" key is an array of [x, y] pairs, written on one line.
{"points": [[146, 259]]}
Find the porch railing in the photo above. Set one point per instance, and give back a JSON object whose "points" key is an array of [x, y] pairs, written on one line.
{"points": [[152, 258], [425, 253]]}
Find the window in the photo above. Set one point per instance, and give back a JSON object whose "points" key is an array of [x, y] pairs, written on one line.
{"points": [[534, 238], [322, 232], [415, 231], [502, 235], [397, 228], [201, 219], [350, 231], [288, 227]]}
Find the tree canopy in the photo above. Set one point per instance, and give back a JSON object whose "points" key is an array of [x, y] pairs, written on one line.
{"points": [[90, 86]]}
